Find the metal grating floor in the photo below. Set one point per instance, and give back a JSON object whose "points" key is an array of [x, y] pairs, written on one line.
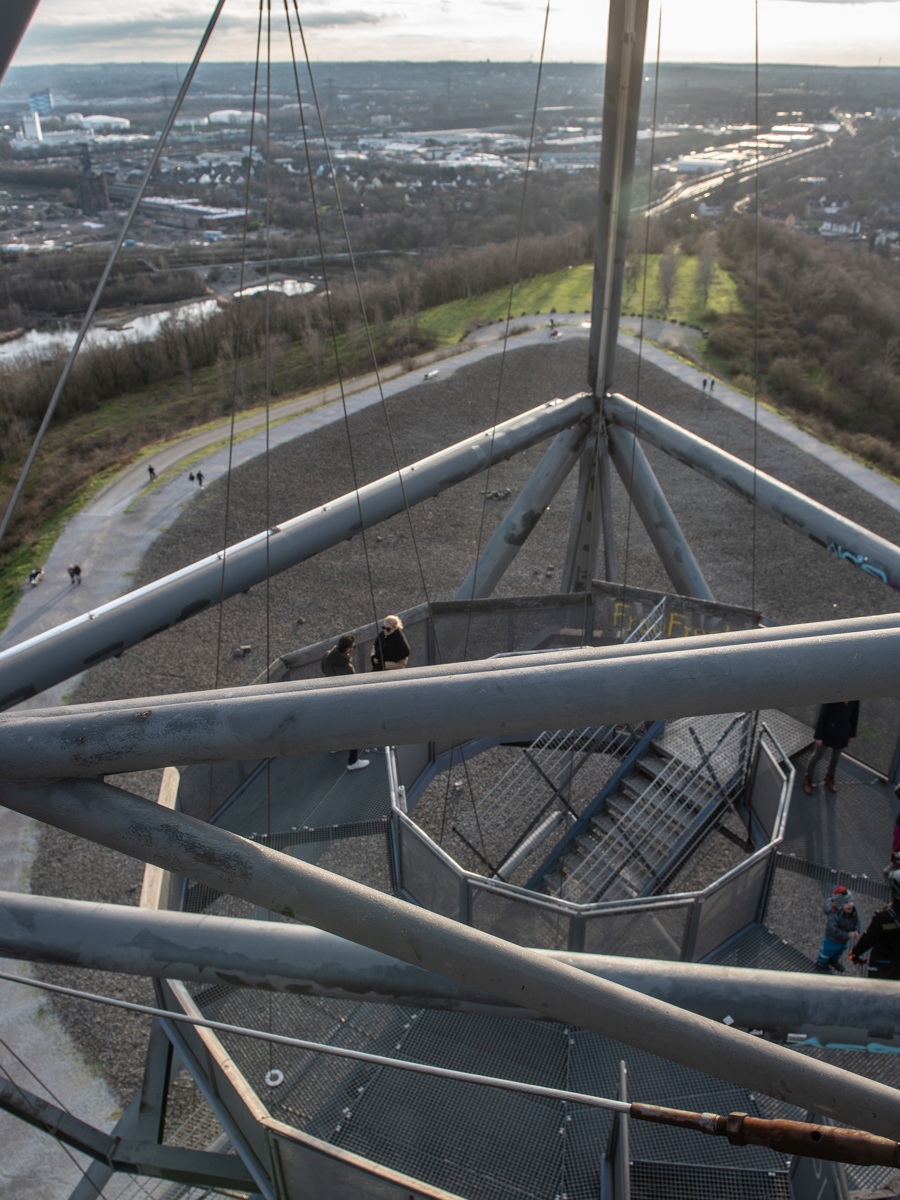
{"points": [[480, 1143], [852, 830]]}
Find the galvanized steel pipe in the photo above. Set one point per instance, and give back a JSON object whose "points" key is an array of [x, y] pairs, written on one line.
{"points": [[502, 697], [656, 515], [305, 961], [524, 513], [860, 547], [274, 881], [106, 631]]}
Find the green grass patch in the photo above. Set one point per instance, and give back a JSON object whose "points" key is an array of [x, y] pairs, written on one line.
{"points": [[686, 303], [568, 290], [571, 290]]}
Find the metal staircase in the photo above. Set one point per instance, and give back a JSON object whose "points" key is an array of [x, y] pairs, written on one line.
{"points": [[640, 838]]}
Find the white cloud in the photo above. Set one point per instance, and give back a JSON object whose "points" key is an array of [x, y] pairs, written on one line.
{"points": [[806, 31]]}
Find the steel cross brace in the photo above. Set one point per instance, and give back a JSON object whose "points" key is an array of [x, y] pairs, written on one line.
{"points": [[196, 1168]]}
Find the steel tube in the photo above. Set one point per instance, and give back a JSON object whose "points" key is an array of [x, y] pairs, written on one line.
{"points": [[610, 570], [570, 690], [17, 16], [52, 656], [299, 959], [769, 633], [274, 881], [828, 529], [627, 28], [524, 513], [656, 516]]}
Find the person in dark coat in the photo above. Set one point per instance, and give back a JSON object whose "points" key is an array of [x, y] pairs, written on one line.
{"points": [[841, 927], [882, 938], [391, 649], [835, 728], [337, 662]]}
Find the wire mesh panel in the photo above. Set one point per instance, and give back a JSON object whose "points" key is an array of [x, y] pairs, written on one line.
{"points": [[471, 629], [679, 1181], [656, 932], [768, 785], [425, 874], [730, 908], [518, 920]]}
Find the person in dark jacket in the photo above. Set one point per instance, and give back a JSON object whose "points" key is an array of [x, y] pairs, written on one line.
{"points": [[841, 927], [337, 662], [882, 938], [835, 728], [391, 649]]}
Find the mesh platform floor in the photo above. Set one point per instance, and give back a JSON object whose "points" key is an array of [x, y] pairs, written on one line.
{"points": [[477, 1142], [852, 830]]}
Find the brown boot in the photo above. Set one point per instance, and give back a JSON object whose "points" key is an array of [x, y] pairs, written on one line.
{"points": [[830, 784], [807, 785]]}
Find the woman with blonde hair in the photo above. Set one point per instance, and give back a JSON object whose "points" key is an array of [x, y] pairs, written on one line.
{"points": [[391, 649]]}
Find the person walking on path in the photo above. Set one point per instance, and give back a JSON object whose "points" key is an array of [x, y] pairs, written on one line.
{"points": [[835, 728], [35, 575], [704, 383], [882, 938], [152, 474], [337, 662], [841, 927], [200, 478], [75, 573], [391, 649]]}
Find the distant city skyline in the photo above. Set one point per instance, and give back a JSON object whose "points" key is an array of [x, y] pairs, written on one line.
{"points": [[833, 32]]}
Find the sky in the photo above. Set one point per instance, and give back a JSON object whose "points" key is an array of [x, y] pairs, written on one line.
{"points": [[833, 32]]}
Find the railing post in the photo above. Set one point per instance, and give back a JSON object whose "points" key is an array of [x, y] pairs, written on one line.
{"points": [[690, 930], [576, 934], [464, 907]]}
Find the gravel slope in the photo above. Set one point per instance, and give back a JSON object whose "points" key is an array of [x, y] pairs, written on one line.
{"points": [[746, 562]]}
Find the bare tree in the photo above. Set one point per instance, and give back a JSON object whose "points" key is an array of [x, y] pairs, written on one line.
{"points": [[668, 273], [706, 257]]}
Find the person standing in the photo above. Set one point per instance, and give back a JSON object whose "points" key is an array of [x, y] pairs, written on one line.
{"points": [[391, 649], [337, 662], [835, 728], [841, 927], [881, 940]]}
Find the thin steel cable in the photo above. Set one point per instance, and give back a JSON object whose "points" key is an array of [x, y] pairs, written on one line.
{"points": [[324, 1048], [327, 292], [114, 253], [268, 367], [640, 361], [367, 327], [512, 288], [237, 355], [755, 314], [47, 1129]]}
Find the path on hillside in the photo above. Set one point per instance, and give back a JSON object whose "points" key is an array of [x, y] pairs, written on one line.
{"points": [[110, 535]]}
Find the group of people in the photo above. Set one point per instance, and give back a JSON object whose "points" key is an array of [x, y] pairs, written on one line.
{"points": [[390, 652], [836, 727], [880, 941], [36, 574], [151, 471]]}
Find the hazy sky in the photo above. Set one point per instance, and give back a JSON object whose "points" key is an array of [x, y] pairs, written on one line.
{"points": [[803, 31]]}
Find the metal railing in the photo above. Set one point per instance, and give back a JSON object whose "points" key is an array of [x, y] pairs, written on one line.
{"points": [[686, 926], [665, 810]]}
